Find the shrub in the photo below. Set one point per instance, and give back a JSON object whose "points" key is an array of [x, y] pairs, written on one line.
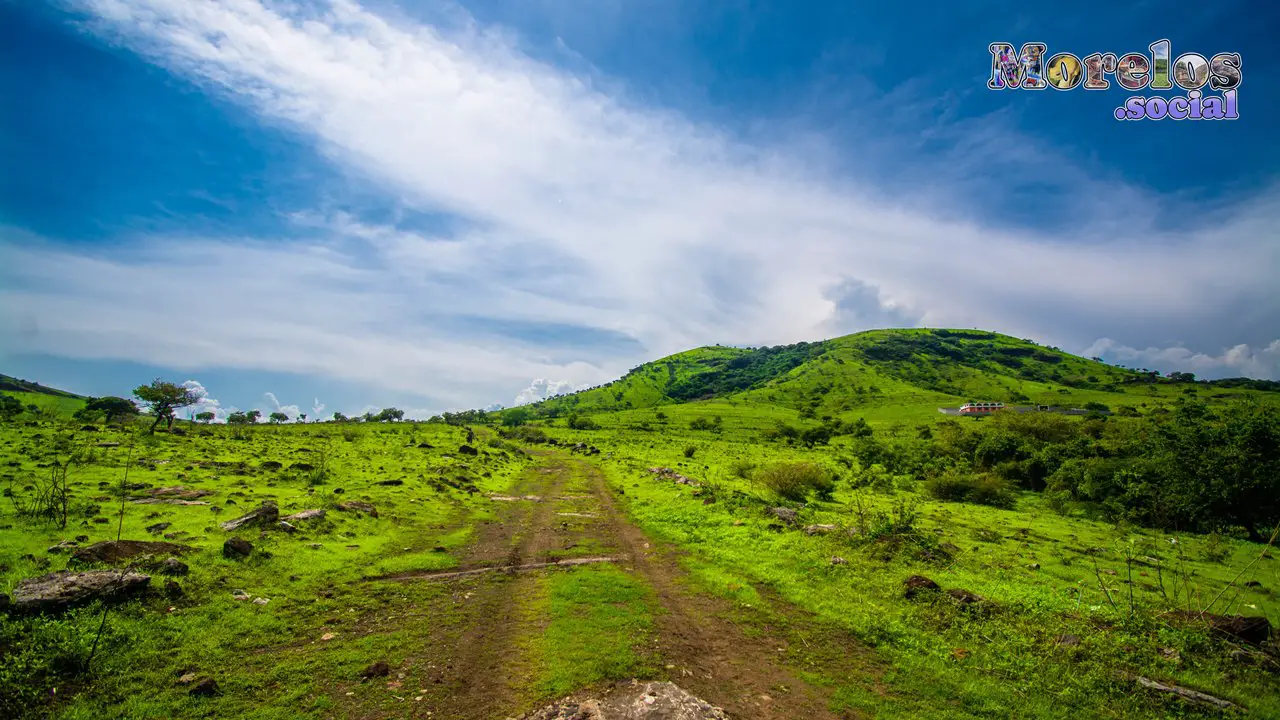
{"points": [[795, 480], [983, 489], [689, 451], [742, 468], [526, 433]]}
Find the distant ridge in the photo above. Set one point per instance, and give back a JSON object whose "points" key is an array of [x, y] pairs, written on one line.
{"points": [[13, 384]]}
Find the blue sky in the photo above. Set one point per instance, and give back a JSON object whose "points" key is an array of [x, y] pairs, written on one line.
{"points": [[441, 206]]}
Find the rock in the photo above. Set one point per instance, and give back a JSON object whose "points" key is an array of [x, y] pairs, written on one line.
{"points": [[918, 584], [179, 492], [158, 528], [357, 506], [786, 515], [265, 514], [818, 529], [1252, 630], [82, 538], [239, 595], [60, 547], [271, 465], [1253, 584], [965, 598], [1033, 566], [637, 701], [4, 601], [236, 548], [837, 560], [378, 669], [425, 445], [187, 678], [173, 589], [205, 688], [65, 589], [261, 601], [391, 483], [111, 552], [1068, 640], [172, 566], [286, 527], [467, 450], [315, 514]]}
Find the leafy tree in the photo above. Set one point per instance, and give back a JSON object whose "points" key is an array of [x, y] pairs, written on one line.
{"points": [[302, 417], [339, 417], [205, 417], [388, 415], [515, 417], [253, 416], [277, 417], [238, 418], [111, 407], [163, 398]]}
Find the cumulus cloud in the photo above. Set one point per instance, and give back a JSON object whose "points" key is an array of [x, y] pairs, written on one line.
{"points": [[541, 389], [292, 411], [573, 205], [1237, 361], [205, 403]]}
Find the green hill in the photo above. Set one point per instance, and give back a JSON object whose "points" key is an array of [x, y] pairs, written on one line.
{"points": [[881, 375], [50, 400]]}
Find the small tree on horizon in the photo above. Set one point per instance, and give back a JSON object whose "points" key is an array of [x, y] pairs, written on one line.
{"points": [[252, 416], [277, 417], [205, 417], [163, 398]]}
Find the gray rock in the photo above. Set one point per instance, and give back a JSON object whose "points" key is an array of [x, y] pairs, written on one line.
{"points": [[287, 527], [639, 701], [315, 514], [110, 552], [205, 688], [919, 584], [786, 515], [64, 545], [236, 548], [158, 528], [172, 566], [357, 506], [59, 591], [265, 514]]}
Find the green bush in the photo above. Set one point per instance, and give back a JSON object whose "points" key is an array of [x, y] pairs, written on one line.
{"points": [[981, 489], [795, 480]]}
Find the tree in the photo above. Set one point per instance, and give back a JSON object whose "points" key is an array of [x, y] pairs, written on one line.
{"points": [[163, 398], [253, 416], [277, 417], [238, 418], [515, 417], [205, 417], [390, 415], [339, 417], [302, 417], [112, 407], [10, 407]]}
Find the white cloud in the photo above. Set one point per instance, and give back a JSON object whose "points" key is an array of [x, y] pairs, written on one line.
{"points": [[541, 389], [205, 403], [577, 207], [292, 411], [1238, 361]]}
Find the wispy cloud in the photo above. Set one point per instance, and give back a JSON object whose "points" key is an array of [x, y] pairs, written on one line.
{"points": [[1237, 361], [573, 205]]}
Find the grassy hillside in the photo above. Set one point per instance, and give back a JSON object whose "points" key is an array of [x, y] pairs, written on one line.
{"points": [[882, 376]]}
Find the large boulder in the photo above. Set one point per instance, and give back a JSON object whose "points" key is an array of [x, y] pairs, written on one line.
{"points": [[265, 514], [61, 590], [316, 514], [112, 552], [236, 548], [786, 515], [918, 585], [638, 701]]}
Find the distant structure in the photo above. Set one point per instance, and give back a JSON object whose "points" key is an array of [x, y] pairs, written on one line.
{"points": [[981, 408]]}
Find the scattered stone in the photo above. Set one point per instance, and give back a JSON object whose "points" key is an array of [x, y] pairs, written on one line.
{"points": [[1192, 696], [239, 595], [111, 552], [215, 509], [338, 491], [261, 601], [965, 598], [173, 589], [302, 467], [172, 566], [818, 529], [205, 688], [917, 584], [1252, 630], [425, 445], [1108, 572], [637, 701], [166, 501], [65, 589], [187, 678], [64, 545], [108, 444], [328, 636], [378, 669], [286, 527], [1068, 640], [271, 465], [358, 507], [786, 515], [467, 450], [265, 514], [1033, 566], [391, 483], [179, 492], [158, 528], [315, 514], [837, 560], [236, 548]]}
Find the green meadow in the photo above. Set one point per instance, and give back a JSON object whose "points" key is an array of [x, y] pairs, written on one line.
{"points": [[784, 495]]}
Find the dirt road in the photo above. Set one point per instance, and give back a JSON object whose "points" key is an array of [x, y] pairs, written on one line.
{"points": [[562, 510]]}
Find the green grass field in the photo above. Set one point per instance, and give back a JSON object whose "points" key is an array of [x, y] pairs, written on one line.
{"points": [[1075, 597]]}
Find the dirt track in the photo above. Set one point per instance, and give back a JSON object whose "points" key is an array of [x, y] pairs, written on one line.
{"points": [[482, 666]]}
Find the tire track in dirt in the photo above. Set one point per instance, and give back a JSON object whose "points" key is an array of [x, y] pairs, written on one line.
{"points": [[713, 658]]}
